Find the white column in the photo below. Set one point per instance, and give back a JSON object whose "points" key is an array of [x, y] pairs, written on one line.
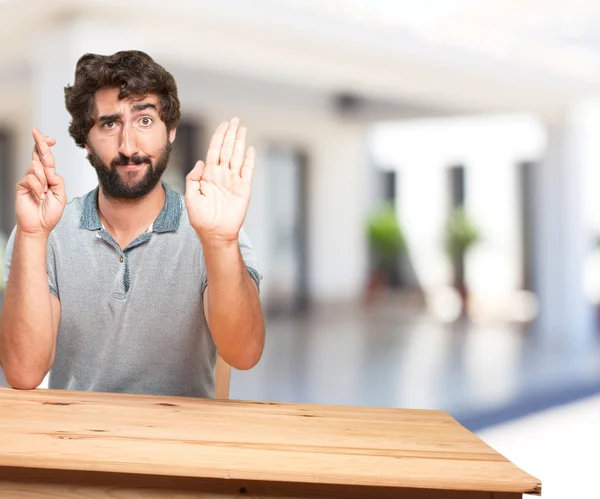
{"points": [[53, 67], [561, 240], [338, 207], [421, 206], [494, 264]]}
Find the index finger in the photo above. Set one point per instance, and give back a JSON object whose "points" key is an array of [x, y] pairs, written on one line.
{"points": [[34, 153], [43, 150], [214, 149], [228, 142]]}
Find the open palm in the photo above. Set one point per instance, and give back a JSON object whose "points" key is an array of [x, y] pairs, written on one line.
{"points": [[218, 193]]}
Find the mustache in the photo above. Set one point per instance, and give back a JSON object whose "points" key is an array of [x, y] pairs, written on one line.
{"points": [[136, 159]]}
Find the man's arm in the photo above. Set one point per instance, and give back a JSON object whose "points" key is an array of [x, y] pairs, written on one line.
{"points": [[30, 316], [232, 306], [31, 313], [216, 198]]}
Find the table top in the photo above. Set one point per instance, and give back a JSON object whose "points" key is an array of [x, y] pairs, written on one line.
{"points": [[227, 439]]}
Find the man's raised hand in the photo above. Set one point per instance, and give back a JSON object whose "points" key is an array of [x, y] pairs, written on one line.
{"points": [[41, 196], [218, 192]]}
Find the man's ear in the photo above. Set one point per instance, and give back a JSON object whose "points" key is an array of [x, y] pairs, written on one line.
{"points": [[87, 148], [172, 134]]}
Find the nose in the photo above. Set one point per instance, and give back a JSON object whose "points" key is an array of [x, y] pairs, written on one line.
{"points": [[128, 146]]}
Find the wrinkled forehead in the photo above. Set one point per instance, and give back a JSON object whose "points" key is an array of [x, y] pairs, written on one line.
{"points": [[107, 102]]}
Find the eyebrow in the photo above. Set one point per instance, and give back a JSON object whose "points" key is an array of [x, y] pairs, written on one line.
{"points": [[146, 105], [107, 118]]}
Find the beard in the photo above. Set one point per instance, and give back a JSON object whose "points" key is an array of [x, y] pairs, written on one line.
{"points": [[115, 185]]}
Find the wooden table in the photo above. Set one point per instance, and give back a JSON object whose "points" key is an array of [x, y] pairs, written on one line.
{"points": [[61, 444]]}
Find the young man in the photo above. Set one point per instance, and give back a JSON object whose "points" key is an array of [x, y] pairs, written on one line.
{"points": [[131, 288]]}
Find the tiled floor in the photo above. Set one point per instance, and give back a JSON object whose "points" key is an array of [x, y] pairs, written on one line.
{"points": [[391, 355]]}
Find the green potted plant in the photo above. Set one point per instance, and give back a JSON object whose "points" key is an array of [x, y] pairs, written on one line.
{"points": [[460, 236], [386, 243]]}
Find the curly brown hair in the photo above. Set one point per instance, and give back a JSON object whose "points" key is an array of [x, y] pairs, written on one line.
{"points": [[133, 72]]}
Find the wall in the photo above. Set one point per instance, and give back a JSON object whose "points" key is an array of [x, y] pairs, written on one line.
{"points": [[490, 148], [337, 162], [274, 115]]}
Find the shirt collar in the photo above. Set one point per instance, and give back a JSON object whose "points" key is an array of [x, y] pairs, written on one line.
{"points": [[167, 220]]}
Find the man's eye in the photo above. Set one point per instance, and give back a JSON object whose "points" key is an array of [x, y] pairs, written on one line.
{"points": [[146, 121], [109, 125]]}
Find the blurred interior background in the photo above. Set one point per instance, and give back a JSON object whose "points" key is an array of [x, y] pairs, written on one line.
{"points": [[425, 207]]}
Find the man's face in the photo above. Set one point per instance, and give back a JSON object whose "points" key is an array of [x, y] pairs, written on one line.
{"points": [[128, 145]]}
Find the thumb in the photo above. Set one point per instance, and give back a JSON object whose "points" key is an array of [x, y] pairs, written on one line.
{"points": [[192, 180]]}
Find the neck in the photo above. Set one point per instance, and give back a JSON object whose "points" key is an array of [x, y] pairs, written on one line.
{"points": [[126, 219]]}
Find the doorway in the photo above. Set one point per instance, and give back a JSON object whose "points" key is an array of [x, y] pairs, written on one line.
{"points": [[287, 210]]}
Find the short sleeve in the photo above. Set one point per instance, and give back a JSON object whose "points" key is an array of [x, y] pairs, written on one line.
{"points": [[249, 257], [50, 263]]}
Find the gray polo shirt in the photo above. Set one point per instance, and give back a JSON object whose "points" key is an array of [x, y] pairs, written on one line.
{"points": [[132, 319]]}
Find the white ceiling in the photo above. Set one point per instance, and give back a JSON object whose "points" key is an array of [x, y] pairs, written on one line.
{"points": [[470, 55], [559, 35]]}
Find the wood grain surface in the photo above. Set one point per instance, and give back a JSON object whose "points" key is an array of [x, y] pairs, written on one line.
{"points": [[245, 449]]}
